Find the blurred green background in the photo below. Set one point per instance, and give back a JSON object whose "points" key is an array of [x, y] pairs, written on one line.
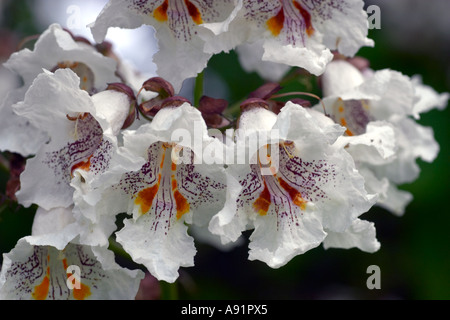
{"points": [[414, 257]]}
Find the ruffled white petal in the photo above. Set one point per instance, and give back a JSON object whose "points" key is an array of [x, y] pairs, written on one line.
{"points": [[171, 185], [361, 234], [316, 188], [162, 253], [41, 272], [389, 196], [177, 24], [376, 146], [295, 33], [250, 57], [428, 97], [54, 46], [77, 141], [414, 141]]}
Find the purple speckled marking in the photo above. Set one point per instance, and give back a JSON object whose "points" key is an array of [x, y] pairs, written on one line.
{"points": [[179, 19], [306, 177], [197, 189], [25, 274], [90, 146], [294, 24]]}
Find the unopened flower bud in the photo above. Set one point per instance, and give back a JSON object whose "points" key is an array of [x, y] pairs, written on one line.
{"points": [[265, 91], [164, 90], [252, 103], [212, 110], [175, 101], [159, 85], [123, 88]]}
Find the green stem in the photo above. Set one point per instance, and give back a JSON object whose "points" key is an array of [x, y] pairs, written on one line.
{"points": [[198, 89], [169, 291]]}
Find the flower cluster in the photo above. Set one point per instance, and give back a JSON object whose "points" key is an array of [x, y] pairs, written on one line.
{"points": [[100, 141]]}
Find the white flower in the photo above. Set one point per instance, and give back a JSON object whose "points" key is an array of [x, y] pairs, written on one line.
{"points": [[40, 265], [168, 187], [295, 33], [40, 271], [250, 57], [54, 49], [177, 24], [361, 234], [314, 188], [377, 109], [82, 131]]}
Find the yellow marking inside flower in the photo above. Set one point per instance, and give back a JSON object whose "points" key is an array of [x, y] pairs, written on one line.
{"points": [[160, 13], [65, 264], [344, 124], [194, 12], [262, 204], [181, 203], [40, 291], [306, 18], [294, 194], [82, 293], [146, 196], [83, 165], [276, 23]]}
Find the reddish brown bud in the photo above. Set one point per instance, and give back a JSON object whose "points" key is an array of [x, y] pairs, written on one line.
{"points": [[78, 38], [175, 101], [265, 91], [105, 48], [211, 105], [121, 87], [211, 110], [159, 85]]}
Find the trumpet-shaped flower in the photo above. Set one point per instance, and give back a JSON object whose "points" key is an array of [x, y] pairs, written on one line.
{"points": [[77, 272], [296, 33], [82, 131], [177, 23], [168, 187], [54, 49], [52, 264], [310, 186], [377, 111]]}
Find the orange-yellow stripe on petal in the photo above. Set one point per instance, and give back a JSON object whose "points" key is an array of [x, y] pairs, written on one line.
{"points": [[194, 12], [83, 165], [146, 196], [262, 204], [294, 194], [306, 18], [276, 23], [82, 293], [40, 291], [182, 204], [180, 201], [160, 13], [344, 124]]}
